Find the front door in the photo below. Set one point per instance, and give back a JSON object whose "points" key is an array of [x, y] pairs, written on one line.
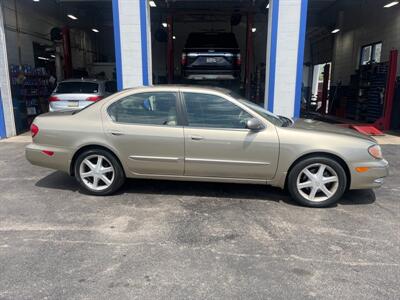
{"points": [[143, 127], [217, 143]]}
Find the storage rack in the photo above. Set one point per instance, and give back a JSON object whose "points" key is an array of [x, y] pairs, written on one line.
{"points": [[366, 93], [30, 90]]}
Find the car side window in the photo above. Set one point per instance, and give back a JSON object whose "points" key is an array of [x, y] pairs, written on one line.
{"points": [[157, 108], [206, 110]]}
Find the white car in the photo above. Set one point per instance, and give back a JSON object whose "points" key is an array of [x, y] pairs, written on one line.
{"points": [[75, 94]]}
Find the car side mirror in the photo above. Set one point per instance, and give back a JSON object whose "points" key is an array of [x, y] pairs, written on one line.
{"points": [[254, 124]]}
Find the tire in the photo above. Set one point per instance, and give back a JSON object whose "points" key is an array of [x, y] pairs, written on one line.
{"points": [[110, 167], [308, 187]]}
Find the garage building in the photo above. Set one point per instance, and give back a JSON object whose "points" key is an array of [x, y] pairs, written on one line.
{"points": [[326, 58]]}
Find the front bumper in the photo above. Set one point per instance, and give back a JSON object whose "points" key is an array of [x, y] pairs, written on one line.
{"points": [[373, 178], [60, 160]]}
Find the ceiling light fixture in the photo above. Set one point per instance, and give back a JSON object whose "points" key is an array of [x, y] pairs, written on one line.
{"points": [[335, 30], [174, 37], [72, 17], [267, 5], [95, 30], [43, 58], [253, 29], [36, 0], [164, 25], [390, 4], [152, 4]]}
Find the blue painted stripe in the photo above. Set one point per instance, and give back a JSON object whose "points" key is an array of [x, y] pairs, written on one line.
{"points": [[3, 132], [272, 56], [143, 32], [117, 41], [300, 58]]}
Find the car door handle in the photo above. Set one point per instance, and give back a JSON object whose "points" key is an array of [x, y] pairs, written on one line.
{"points": [[116, 133], [196, 137]]}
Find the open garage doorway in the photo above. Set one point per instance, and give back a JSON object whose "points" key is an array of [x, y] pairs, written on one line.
{"points": [[216, 43], [49, 41], [354, 46]]}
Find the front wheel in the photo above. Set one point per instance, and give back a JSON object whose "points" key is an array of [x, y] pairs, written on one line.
{"points": [[99, 172], [317, 181]]}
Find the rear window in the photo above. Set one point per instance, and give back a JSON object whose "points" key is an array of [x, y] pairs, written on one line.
{"points": [[211, 40], [72, 87]]}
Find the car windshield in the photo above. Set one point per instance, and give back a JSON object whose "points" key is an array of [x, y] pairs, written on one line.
{"points": [[274, 119], [72, 87]]}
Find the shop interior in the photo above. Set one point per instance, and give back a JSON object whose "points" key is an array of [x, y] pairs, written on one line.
{"points": [[172, 22], [351, 74], [50, 41]]}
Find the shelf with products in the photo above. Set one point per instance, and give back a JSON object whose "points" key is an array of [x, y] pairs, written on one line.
{"points": [[31, 88]]}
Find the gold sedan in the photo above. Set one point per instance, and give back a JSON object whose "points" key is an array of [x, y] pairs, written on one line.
{"points": [[203, 134]]}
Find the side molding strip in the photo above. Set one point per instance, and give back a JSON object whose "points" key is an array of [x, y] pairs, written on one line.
{"points": [[221, 161], [155, 158]]}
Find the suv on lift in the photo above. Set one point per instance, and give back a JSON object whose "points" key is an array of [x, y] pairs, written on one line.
{"points": [[211, 56]]}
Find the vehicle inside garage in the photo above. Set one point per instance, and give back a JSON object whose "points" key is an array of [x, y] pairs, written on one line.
{"points": [[49, 41], [350, 65], [218, 43]]}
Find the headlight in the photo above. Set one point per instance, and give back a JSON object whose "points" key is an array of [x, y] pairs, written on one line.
{"points": [[375, 151]]}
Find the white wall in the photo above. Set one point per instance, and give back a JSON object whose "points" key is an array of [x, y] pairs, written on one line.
{"points": [[287, 47], [367, 23], [131, 42], [5, 89]]}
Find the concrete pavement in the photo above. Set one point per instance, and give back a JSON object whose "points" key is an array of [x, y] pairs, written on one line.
{"points": [[163, 240]]}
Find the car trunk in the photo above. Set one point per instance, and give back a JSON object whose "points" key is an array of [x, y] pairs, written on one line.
{"points": [[74, 100]]}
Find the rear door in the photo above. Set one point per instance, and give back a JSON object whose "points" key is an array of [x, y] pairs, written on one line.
{"points": [[218, 144], [144, 128]]}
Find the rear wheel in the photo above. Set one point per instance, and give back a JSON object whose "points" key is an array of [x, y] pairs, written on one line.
{"points": [[317, 181], [99, 172]]}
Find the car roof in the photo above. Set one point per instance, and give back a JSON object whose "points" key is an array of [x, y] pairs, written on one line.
{"points": [[177, 87]]}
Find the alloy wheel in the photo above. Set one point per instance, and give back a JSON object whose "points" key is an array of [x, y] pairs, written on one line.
{"points": [[96, 172], [317, 182]]}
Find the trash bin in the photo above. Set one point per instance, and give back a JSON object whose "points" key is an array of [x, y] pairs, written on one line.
{"points": [[21, 123]]}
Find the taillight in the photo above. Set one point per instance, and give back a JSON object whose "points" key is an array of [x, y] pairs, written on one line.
{"points": [[93, 98], [184, 59], [34, 130], [53, 99], [238, 60], [48, 152]]}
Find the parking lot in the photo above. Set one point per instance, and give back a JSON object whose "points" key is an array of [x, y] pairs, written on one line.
{"points": [[161, 239]]}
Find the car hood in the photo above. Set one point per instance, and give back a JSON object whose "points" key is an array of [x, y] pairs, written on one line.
{"points": [[309, 124]]}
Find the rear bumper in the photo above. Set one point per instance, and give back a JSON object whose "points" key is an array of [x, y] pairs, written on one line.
{"points": [[201, 74], [64, 106], [60, 160], [373, 178]]}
